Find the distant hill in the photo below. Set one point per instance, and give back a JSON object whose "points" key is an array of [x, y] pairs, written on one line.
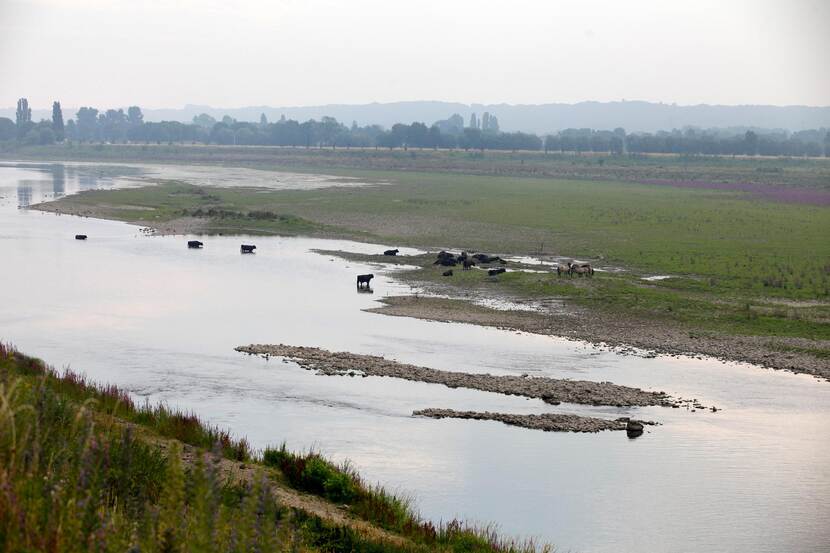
{"points": [[542, 118]]}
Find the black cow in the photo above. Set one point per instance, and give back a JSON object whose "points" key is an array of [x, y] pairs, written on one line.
{"points": [[494, 272], [80, 237], [247, 248], [391, 252], [447, 273], [468, 262], [446, 259], [194, 244], [364, 279]]}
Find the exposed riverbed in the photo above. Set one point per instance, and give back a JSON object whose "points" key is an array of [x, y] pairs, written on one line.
{"points": [[148, 314]]}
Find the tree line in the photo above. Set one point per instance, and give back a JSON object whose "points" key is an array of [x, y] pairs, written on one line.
{"points": [[118, 126]]}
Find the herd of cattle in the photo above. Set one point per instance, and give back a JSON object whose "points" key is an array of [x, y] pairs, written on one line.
{"points": [[467, 262]]}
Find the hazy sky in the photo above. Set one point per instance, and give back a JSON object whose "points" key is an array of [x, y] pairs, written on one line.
{"points": [[224, 53]]}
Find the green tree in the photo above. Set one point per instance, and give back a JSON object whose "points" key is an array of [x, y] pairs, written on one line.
{"points": [[134, 116], [204, 120], [7, 129], [87, 126], [23, 116], [751, 143], [57, 121]]}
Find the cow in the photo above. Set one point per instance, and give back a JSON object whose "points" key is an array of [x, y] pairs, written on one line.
{"points": [[487, 259], [448, 272], [391, 252], [468, 263], [194, 244], [247, 248], [80, 237], [494, 272], [364, 279]]}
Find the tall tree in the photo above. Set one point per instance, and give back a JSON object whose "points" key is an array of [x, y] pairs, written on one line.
{"points": [[751, 143], [24, 113], [263, 120], [57, 120]]}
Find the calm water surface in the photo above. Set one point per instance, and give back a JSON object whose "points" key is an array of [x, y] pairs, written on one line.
{"points": [[156, 318]]}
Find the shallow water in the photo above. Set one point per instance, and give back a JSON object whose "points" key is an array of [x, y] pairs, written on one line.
{"points": [[152, 316]]}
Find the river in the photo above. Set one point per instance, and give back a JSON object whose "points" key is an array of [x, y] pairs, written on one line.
{"points": [[160, 320]]}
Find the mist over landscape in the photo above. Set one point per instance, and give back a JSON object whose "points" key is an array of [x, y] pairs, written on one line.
{"points": [[456, 277]]}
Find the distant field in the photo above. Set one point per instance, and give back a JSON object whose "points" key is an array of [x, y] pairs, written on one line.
{"points": [[790, 173]]}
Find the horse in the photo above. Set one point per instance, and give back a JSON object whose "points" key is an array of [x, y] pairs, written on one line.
{"points": [[391, 252], [364, 279], [582, 269], [194, 244], [247, 248], [562, 269], [468, 263]]}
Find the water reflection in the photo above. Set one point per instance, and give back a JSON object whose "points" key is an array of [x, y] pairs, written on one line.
{"points": [[24, 194], [58, 180]]}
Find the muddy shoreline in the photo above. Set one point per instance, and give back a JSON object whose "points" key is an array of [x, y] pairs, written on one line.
{"points": [[618, 333]]}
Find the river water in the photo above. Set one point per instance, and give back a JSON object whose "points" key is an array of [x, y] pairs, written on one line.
{"points": [[149, 315]]}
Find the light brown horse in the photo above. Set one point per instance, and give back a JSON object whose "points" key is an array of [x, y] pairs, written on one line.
{"points": [[581, 269]]}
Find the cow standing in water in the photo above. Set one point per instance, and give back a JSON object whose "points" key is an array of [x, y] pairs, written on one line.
{"points": [[364, 279], [391, 252], [247, 248], [194, 244]]}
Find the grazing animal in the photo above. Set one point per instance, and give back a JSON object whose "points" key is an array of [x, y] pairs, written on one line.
{"points": [[247, 248], [448, 272], [391, 252], [364, 279], [581, 269], [487, 259], [494, 272], [80, 237], [446, 259], [194, 244], [563, 270], [468, 262]]}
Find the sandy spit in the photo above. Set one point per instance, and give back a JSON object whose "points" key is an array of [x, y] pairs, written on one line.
{"points": [[550, 390], [615, 332], [549, 422]]}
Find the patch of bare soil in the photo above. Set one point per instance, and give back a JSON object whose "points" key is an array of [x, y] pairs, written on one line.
{"points": [[550, 390], [622, 333]]}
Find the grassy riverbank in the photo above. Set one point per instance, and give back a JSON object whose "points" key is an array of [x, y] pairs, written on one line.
{"points": [[83, 468]]}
